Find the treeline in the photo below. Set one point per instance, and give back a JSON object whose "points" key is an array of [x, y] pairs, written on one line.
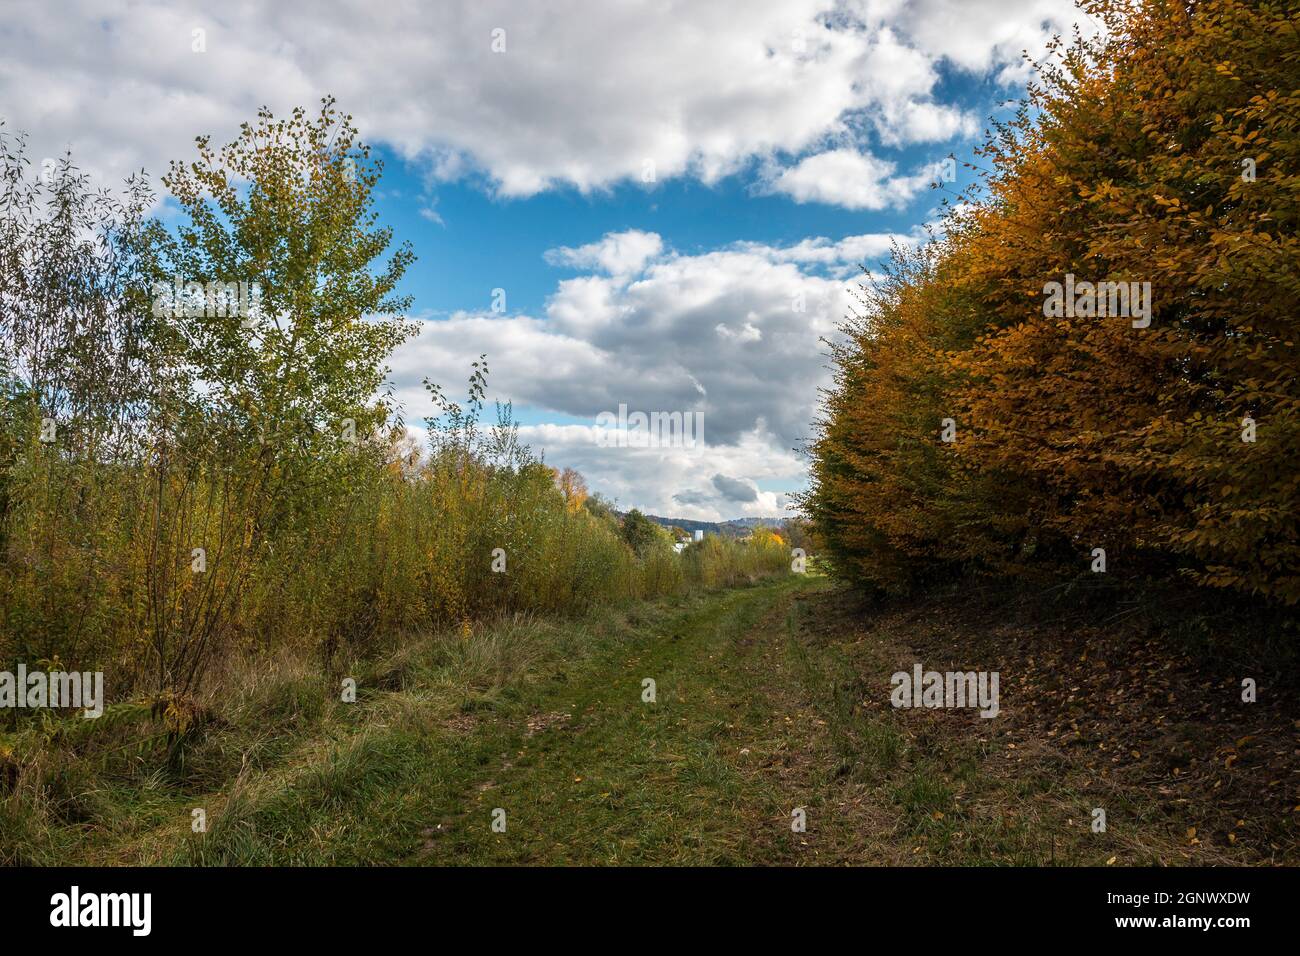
{"points": [[201, 461], [1093, 367]]}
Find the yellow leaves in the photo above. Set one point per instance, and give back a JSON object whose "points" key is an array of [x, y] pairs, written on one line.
{"points": [[1093, 428], [178, 712]]}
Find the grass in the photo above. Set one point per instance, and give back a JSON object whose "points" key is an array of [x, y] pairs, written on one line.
{"points": [[768, 699]]}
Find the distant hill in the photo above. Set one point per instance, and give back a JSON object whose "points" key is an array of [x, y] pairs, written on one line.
{"points": [[727, 529], [772, 522]]}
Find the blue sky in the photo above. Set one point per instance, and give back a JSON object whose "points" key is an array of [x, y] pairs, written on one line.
{"points": [[481, 241], [790, 141], [484, 242]]}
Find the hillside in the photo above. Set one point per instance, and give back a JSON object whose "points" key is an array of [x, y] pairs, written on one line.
{"points": [[734, 528]]}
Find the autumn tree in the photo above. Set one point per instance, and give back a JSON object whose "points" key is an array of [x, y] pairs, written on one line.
{"points": [[286, 209], [272, 424], [1154, 416], [574, 487]]}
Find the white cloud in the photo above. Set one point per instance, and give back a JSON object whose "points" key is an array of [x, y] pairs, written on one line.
{"points": [[979, 35], [584, 94], [619, 253], [748, 332], [821, 251], [899, 123], [734, 333], [849, 178], [681, 483]]}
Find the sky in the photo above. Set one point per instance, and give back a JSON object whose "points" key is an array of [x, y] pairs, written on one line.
{"points": [[660, 205]]}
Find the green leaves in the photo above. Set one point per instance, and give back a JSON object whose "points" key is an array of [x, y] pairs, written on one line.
{"points": [[298, 225]]}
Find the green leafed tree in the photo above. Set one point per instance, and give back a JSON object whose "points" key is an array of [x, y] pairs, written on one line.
{"points": [[286, 209], [640, 532]]}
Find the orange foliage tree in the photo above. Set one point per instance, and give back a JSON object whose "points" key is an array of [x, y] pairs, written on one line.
{"points": [[1099, 351]]}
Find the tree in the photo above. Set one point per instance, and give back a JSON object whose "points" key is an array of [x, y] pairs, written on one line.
{"points": [[574, 488], [1160, 420], [601, 508], [286, 211], [277, 321], [639, 532], [74, 340]]}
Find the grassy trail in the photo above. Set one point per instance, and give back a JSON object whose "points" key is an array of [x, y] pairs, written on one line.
{"points": [[699, 776], [547, 722], [768, 699], [544, 719]]}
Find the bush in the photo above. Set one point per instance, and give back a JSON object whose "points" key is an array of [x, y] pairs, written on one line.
{"points": [[181, 486]]}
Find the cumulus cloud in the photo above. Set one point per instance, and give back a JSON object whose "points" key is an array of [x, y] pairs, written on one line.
{"points": [[850, 178], [978, 36], [676, 482], [748, 332], [899, 124], [692, 498], [805, 95], [581, 94], [733, 333], [619, 253], [735, 489], [820, 251]]}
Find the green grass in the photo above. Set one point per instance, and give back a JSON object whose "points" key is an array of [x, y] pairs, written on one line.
{"points": [[412, 773], [759, 710]]}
